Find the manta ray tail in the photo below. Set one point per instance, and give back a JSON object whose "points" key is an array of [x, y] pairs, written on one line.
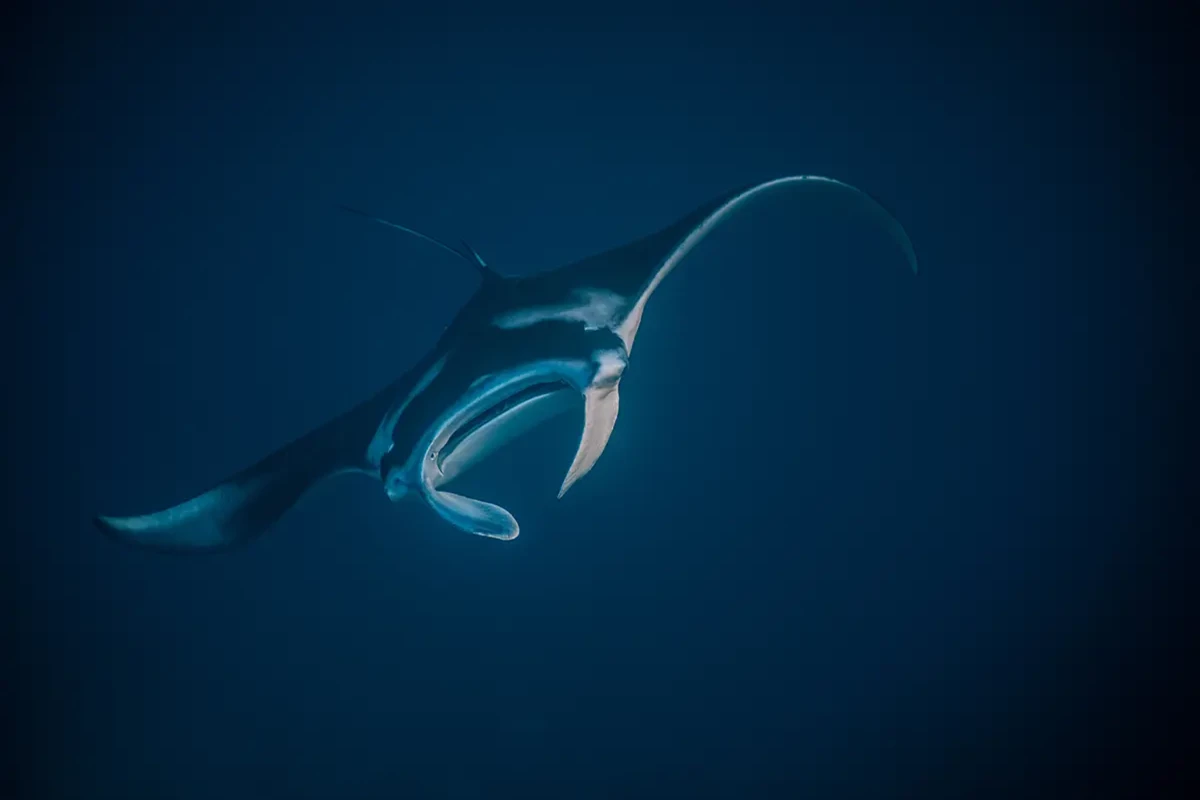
{"points": [[467, 254], [247, 503]]}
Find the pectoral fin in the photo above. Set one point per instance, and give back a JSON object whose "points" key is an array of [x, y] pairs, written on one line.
{"points": [[600, 415]]}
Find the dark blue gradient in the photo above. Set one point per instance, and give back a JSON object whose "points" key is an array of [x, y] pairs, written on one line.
{"points": [[858, 533]]}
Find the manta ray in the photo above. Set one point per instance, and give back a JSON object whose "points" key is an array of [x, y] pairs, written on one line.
{"points": [[521, 350]]}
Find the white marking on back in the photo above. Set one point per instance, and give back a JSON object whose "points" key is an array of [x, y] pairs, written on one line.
{"points": [[601, 401], [595, 308]]}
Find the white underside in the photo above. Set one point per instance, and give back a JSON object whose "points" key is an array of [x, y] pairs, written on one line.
{"points": [[601, 404]]}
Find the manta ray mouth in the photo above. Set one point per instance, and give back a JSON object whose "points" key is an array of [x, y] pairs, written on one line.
{"points": [[493, 412]]}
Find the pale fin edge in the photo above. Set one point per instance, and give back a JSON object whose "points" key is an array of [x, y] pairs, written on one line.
{"points": [[601, 404]]}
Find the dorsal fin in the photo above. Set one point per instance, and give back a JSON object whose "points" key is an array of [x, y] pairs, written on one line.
{"points": [[470, 256]]}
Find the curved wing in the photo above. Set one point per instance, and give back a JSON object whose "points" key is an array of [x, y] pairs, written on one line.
{"points": [[633, 271]]}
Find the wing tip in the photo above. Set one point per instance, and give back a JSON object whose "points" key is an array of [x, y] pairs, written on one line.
{"points": [[140, 533], [119, 531], [573, 476]]}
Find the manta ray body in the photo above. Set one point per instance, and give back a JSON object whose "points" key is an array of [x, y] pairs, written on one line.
{"points": [[522, 350]]}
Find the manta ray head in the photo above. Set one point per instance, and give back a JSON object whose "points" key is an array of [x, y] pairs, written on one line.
{"points": [[497, 410]]}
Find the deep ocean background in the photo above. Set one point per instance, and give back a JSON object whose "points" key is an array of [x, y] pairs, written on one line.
{"points": [[857, 533]]}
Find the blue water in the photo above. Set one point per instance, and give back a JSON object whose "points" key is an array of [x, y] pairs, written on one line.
{"points": [[857, 532]]}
